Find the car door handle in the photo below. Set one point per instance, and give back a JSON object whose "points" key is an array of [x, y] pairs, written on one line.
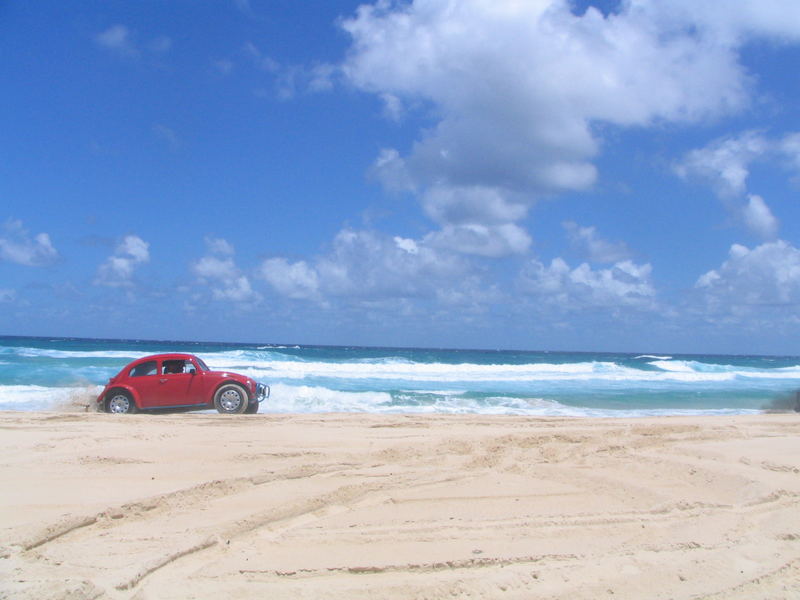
{"points": [[163, 380]]}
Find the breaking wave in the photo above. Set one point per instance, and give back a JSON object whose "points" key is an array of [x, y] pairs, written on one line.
{"points": [[52, 374]]}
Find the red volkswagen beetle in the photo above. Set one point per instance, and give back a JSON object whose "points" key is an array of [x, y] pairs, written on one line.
{"points": [[179, 381]]}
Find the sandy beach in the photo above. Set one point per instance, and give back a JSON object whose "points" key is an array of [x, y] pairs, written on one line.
{"points": [[368, 506]]}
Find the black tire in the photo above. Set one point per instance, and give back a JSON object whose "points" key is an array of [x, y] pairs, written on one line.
{"points": [[231, 399], [120, 402], [252, 408]]}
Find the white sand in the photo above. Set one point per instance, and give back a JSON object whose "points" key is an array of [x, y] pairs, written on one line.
{"points": [[365, 506]]}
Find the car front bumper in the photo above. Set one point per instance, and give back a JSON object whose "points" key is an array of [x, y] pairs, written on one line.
{"points": [[262, 392]]}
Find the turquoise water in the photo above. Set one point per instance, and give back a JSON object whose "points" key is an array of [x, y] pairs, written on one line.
{"points": [[48, 373]]}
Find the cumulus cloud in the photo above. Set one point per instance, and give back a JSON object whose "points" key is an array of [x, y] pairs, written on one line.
{"points": [[219, 246], [213, 267], [295, 280], [219, 272], [765, 276], [482, 240], [471, 204], [734, 22], [759, 218], [515, 87], [17, 246], [725, 163], [624, 284], [592, 247], [368, 266], [118, 269], [790, 148]]}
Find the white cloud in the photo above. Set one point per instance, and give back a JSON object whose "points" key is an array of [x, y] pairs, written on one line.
{"points": [[135, 247], [120, 40], [476, 220], [465, 205], [586, 241], [393, 108], [625, 284], [295, 280], [116, 38], [365, 266], [263, 62], [790, 148], [759, 218], [236, 289], [406, 244], [492, 241], [734, 21], [517, 86], [321, 77], [118, 269], [212, 267], [766, 276], [219, 272], [289, 80], [725, 163], [390, 168], [17, 246], [219, 246]]}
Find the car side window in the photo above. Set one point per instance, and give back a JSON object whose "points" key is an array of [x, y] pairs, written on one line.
{"points": [[173, 367], [145, 368]]}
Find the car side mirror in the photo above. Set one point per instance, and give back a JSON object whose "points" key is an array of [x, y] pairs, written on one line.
{"points": [[192, 371]]}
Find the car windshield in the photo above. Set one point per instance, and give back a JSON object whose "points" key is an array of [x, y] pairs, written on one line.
{"points": [[203, 365]]}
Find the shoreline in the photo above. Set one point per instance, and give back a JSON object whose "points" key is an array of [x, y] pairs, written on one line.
{"points": [[359, 505]]}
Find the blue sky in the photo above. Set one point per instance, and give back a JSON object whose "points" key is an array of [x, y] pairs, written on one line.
{"points": [[538, 175]]}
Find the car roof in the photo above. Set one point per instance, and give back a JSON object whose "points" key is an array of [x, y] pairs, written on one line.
{"points": [[169, 356]]}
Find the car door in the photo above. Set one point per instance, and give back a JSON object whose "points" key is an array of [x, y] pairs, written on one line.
{"points": [[178, 384], [143, 377]]}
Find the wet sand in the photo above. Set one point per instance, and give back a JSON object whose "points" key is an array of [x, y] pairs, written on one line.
{"points": [[367, 506]]}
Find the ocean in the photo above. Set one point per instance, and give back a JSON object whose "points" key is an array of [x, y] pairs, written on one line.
{"points": [[39, 374]]}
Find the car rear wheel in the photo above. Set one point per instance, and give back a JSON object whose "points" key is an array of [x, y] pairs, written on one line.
{"points": [[120, 403], [231, 399]]}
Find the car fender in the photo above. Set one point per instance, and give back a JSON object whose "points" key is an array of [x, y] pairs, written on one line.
{"points": [[133, 393], [241, 384]]}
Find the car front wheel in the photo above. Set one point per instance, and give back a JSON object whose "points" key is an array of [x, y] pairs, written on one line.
{"points": [[231, 399], [120, 403]]}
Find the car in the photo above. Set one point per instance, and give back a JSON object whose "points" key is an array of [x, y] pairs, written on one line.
{"points": [[179, 382]]}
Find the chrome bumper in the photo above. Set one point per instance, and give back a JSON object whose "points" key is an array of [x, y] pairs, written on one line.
{"points": [[262, 392]]}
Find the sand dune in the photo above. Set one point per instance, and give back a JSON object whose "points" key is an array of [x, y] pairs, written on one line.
{"points": [[365, 506]]}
